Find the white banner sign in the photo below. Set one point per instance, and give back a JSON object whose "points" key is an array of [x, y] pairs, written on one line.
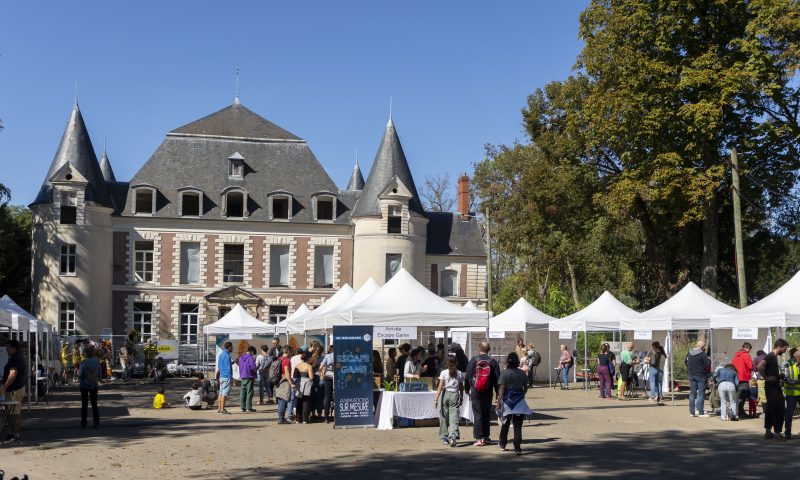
{"points": [[394, 333], [241, 336], [745, 333], [167, 349], [438, 334], [459, 338], [497, 334], [642, 334], [565, 334]]}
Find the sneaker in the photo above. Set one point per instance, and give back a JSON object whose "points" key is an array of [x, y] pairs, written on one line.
{"points": [[788, 436], [252, 410], [518, 452], [453, 441], [704, 415], [479, 443], [768, 436], [243, 410], [282, 421], [503, 448], [225, 411], [445, 441], [692, 415]]}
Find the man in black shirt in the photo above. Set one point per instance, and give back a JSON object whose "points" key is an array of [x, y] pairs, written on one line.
{"points": [[483, 373], [13, 386], [401, 361], [775, 409]]}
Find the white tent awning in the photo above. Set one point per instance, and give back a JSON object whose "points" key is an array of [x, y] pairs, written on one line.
{"points": [[330, 318], [520, 317], [317, 316], [283, 325], [689, 309], [603, 314], [238, 321], [11, 314], [781, 308]]}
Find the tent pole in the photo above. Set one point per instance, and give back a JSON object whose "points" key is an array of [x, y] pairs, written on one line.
{"points": [[585, 359], [672, 367], [549, 361]]}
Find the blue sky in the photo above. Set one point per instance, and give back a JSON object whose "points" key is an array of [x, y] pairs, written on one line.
{"points": [[458, 72]]}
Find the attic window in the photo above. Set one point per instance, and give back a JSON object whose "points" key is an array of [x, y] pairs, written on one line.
{"points": [[235, 167], [69, 208], [280, 207], [144, 200], [325, 208], [191, 204], [235, 204], [394, 223]]}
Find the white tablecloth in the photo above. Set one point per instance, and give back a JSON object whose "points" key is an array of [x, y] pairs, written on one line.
{"points": [[416, 405]]}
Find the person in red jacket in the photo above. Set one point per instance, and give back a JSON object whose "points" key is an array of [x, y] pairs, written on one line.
{"points": [[744, 366]]}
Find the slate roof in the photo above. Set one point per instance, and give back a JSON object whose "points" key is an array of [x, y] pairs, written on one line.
{"points": [[356, 179], [236, 121], [390, 161], [449, 235], [76, 148], [201, 161], [105, 168]]}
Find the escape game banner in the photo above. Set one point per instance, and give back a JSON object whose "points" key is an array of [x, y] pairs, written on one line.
{"points": [[352, 375]]}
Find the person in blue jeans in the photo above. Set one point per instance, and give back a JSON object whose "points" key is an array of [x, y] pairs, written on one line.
{"points": [[224, 376], [284, 391], [699, 365], [656, 359], [565, 362]]}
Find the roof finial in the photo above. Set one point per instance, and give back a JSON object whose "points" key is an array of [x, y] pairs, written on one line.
{"points": [[236, 98], [356, 156], [390, 111], [76, 94], [104, 145]]}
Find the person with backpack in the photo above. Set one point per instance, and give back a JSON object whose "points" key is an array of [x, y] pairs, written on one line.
{"points": [[699, 366], [263, 362], [284, 386], [511, 406], [482, 376]]}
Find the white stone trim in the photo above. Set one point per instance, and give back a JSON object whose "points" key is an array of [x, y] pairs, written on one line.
{"points": [[80, 202], [219, 252], [155, 316], [280, 240], [175, 324], [176, 257], [326, 241], [133, 237], [288, 302]]}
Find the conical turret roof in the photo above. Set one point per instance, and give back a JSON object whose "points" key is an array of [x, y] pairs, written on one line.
{"points": [[390, 161], [76, 149], [105, 168], [356, 179]]}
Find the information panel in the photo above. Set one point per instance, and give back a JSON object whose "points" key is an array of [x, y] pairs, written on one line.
{"points": [[352, 375]]}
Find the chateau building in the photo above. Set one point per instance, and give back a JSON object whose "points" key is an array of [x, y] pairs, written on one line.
{"points": [[232, 208]]}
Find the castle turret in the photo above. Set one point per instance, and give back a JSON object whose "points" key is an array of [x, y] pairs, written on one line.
{"points": [[390, 224], [356, 182], [72, 237]]}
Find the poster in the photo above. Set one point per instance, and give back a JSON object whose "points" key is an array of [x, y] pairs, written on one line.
{"points": [[642, 334], [396, 333], [353, 376], [459, 338], [167, 349], [565, 334], [745, 333], [297, 341]]}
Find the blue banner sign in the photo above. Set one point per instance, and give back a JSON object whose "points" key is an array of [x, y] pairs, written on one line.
{"points": [[352, 376]]}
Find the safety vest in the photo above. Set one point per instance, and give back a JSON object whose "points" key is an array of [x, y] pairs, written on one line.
{"points": [[791, 388]]}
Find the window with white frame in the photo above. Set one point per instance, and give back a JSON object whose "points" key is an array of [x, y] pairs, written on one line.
{"points": [[233, 263], [278, 313], [325, 208], [69, 207], [143, 318], [143, 261], [66, 319], [394, 261], [191, 204], [189, 323], [323, 266], [235, 202], [190, 263], [144, 200], [395, 220], [66, 264], [281, 207], [448, 283], [279, 265]]}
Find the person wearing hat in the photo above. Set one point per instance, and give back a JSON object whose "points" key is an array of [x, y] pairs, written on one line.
{"points": [[13, 386]]}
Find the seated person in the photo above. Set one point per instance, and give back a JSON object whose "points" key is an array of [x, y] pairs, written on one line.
{"points": [[160, 401], [207, 391], [194, 398]]}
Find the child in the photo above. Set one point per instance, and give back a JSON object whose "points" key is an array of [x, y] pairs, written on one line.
{"points": [[160, 401], [194, 399]]}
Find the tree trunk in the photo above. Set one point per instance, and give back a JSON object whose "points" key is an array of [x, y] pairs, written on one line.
{"points": [[651, 246], [573, 284], [709, 263]]}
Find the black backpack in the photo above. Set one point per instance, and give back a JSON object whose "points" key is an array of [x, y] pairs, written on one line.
{"points": [[536, 359], [275, 372]]}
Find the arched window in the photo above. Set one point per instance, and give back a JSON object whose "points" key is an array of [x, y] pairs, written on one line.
{"points": [[280, 205], [191, 204], [448, 283], [324, 206], [234, 203], [144, 200]]}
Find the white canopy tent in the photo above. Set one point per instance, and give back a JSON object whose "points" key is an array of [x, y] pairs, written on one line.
{"points": [[320, 316], [470, 305], [780, 309], [602, 315], [520, 317], [238, 321], [284, 327], [403, 301]]}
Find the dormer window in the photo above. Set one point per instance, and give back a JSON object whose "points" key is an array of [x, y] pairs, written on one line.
{"points": [[395, 219], [191, 204], [324, 207], [234, 203], [69, 208], [280, 206], [144, 200], [236, 165]]}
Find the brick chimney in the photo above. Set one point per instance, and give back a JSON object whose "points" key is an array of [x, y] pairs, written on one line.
{"points": [[463, 196]]}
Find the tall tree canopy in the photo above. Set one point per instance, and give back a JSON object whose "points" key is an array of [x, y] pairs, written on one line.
{"points": [[627, 169]]}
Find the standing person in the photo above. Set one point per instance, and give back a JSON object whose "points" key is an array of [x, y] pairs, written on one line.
{"points": [[303, 375], [224, 376], [263, 362], [430, 367], [520, 350], [76, 360], [413, 367], [461, 357], [89, 374], [451, 382], [123, 360], [511, 406], [744, 370], [64, 362], [727, 383], [275, 353], [565, 362], [150, 354], [390, 364], [317, 394], [775, 410], [791, 388], [247, 373], [604, 372], [534, 358], [482, 376], [699, 365], [377, 365], [327, 366], [15, 376], [405, 349], [283, 390], [656, 359], [625, 369]]}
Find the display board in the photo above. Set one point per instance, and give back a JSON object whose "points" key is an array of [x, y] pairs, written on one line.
{"points": [[352, 376]]}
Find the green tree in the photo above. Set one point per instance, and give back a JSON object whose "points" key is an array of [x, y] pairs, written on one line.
{"points": [[15, 250]]}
